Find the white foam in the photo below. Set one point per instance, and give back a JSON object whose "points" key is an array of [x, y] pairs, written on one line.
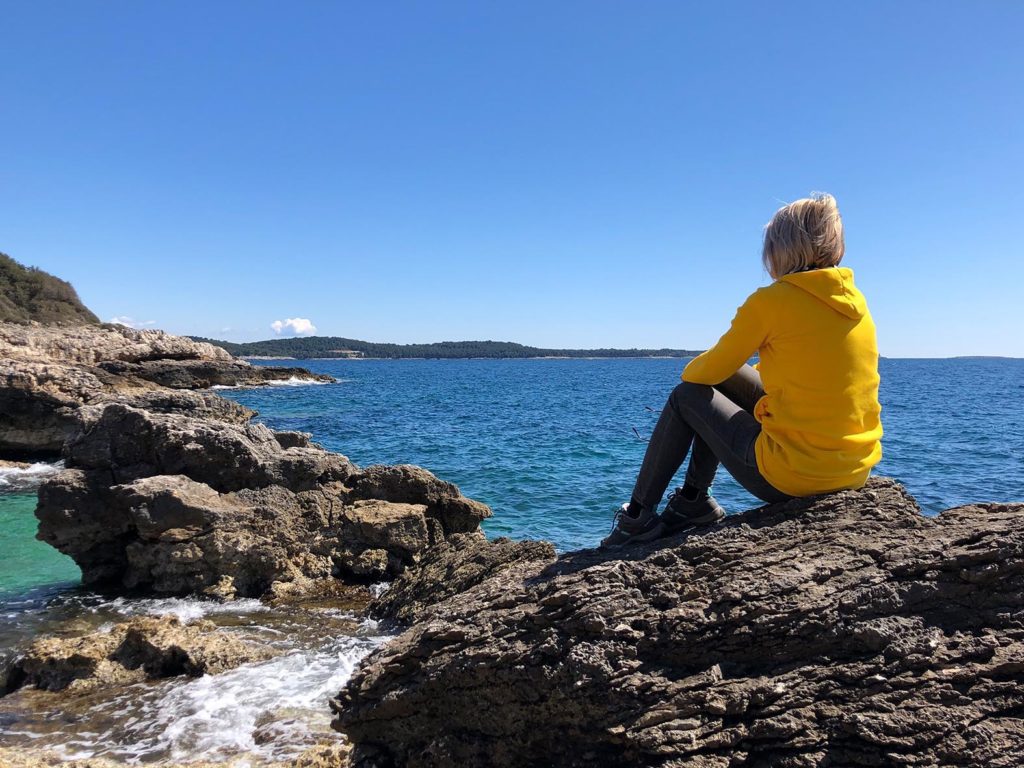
{"points": [[295, 381], [272, 710], [186, 609], [12, 478]]}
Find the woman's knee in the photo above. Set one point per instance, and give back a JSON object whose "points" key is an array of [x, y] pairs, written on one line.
{"points": [[687, 392]]}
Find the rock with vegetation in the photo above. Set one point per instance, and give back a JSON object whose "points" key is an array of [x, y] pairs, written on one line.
{"points": [[178, 505], [29, 294], [143, 648], [842, 630]]}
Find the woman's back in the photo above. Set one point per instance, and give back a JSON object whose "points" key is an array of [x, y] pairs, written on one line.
{"points": [[819, 365]]}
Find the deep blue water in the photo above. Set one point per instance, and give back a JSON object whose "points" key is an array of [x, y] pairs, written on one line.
{"points": [[550, 446]]}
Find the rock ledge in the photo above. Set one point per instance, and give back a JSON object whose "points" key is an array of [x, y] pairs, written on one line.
{"points": [[842, 630]]}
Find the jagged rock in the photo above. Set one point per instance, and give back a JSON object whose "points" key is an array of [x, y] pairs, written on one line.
{"points": [[198, 374], [295, 440], [172, 504], [331, 755], [140, 649], [843, 630], [132, 443], [90, 345], [39, 403], [17, 757], [47, 373], [450, 568], [14, 464], [415, 485]]}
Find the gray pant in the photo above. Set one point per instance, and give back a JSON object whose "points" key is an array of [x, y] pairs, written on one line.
{"points": [[719, 422]]}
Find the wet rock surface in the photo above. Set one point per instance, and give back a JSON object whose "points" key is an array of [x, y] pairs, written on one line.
{"points": [[144, 648], [321, 756], [843, 630]]}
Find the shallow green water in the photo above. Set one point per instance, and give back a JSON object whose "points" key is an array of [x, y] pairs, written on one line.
{"points": [[24, 561]]}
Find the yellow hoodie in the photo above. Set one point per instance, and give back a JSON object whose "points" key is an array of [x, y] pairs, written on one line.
{"points": [[820, 417]]}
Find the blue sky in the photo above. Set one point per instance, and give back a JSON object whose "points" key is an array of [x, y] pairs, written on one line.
{"points": [[569, 174]]}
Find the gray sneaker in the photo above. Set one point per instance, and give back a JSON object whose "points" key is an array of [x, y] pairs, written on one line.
{"points": [[627, 530], [682, 513]]}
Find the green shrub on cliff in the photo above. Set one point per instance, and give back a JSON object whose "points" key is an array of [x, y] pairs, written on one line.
{"points": [[29, 293]]}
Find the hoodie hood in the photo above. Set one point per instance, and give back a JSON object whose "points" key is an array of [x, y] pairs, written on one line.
{"points": [[832, 286]]}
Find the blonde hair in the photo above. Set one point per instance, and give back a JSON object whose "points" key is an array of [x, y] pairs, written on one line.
{"points": [[806, 234]]}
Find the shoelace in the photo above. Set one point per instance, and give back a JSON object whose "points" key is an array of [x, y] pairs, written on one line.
{"points": [[615, 519]]}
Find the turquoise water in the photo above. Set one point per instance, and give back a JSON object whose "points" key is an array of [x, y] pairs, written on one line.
{"points": [[25, 562]]}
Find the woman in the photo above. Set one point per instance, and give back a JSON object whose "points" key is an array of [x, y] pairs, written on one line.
{"points": [[805, 422]]}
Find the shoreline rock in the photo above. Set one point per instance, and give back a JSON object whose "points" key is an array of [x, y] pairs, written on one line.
{"points": [[48, 372], [144, 648], [844, 630], [450, 569], [179, 505], [331, 755]]}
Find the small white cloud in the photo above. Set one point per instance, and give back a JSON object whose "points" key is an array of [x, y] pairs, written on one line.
{"points": [[131, 322], [294, 326]]}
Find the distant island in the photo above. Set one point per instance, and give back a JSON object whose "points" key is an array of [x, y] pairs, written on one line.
{"points": [[311, 347]]}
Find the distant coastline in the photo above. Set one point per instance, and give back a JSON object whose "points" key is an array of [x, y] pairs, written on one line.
{"points": [[337, 348]]}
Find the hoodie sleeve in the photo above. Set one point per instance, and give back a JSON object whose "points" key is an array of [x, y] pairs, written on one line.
{"points": [[744, 337]]}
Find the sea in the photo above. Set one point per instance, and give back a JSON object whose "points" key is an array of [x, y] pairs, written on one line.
{"points": [[552, 445]]}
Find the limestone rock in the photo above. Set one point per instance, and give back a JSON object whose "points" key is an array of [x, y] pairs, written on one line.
{"points": [[842, 630], [132, 443], [143, 648], [331, 755], [199, 374], [415, 485], [47, 373], [92, 344], [451, 568], [176, 505]]}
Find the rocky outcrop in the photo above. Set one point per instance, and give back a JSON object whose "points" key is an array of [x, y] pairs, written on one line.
{"points": [[39, 403], [173, 504], [843, 630], [320, 756], [453, 567], [143, 648], [47, 373], [198, 374]]}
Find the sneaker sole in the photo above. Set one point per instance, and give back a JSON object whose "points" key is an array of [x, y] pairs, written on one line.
{"points": [[656, 532], [696, 522]]}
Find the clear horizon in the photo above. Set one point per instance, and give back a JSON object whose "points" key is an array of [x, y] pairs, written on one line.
{"points": [[575, 176]]}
